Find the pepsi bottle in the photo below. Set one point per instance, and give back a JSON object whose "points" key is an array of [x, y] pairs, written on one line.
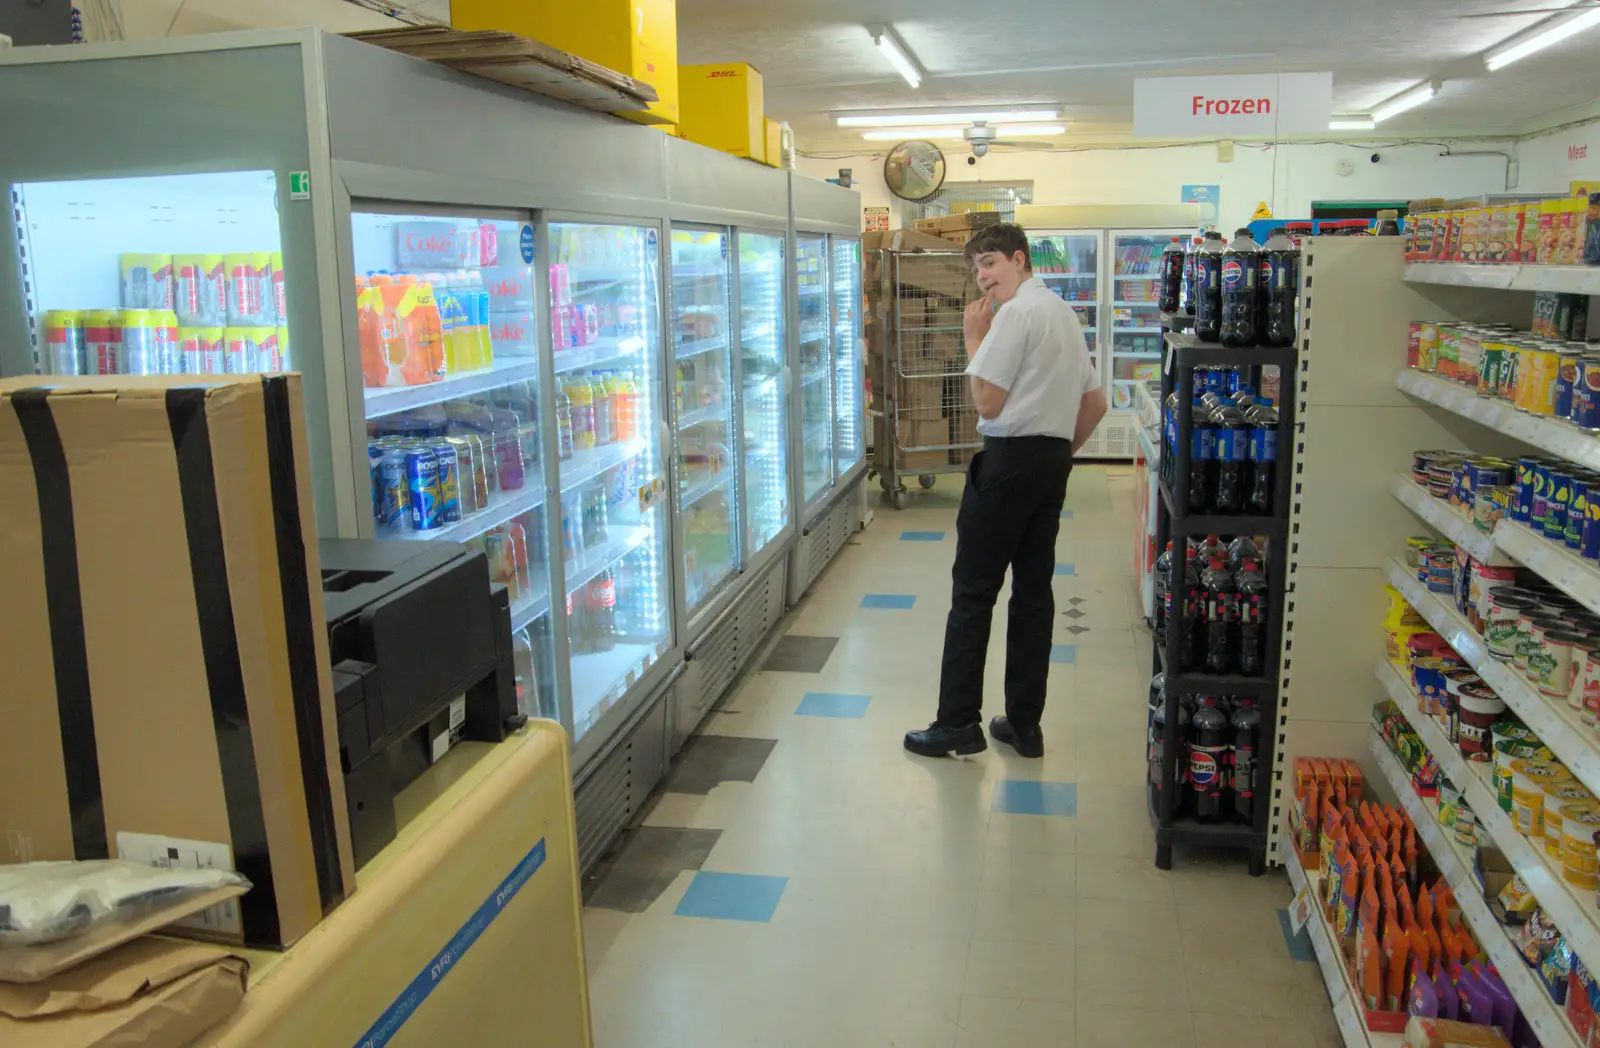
{"points": [[1208, 758], [1163, 596], [1190, 254], [1228, 459], [1208, 288], [1156, 749], [1245, 725], [1191, 638], [1172, 261], [1242, 549], [1202, 451], [1280, 262], [1221, 616], [1261, 459], [1241, 274], [1252, 586]]}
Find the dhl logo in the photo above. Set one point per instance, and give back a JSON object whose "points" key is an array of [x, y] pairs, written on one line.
{"points": [[718, 74]]}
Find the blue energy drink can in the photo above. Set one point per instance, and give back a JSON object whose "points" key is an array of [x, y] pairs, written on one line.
{"points": [[422, 489], [449, 481], [393, 504]]}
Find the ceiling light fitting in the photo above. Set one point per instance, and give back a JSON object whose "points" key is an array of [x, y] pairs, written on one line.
{"points": [[1545, 34], [1405, 101], [1352, 123], [891, 48], [901, 134], [942, 119]]}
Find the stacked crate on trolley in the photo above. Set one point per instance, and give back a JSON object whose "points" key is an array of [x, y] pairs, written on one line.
{"points": [[924, 420]]}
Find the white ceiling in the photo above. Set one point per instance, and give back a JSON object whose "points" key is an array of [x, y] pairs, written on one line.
{"points": [[817, 57]]}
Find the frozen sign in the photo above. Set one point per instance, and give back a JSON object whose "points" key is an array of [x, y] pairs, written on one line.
{"points": [[1257, 105]]}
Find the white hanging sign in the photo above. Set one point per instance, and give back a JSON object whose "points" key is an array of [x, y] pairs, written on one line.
{"points": [[1255, 105]]}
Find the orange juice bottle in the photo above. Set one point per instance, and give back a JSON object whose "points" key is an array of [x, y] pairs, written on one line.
{"points": [[626, 400], [419, 317], [369, 322]]}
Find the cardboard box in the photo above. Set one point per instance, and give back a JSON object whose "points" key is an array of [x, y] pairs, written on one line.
{"points": [[966, 222], [636, 37], [903, 240], [774, 136], [722, 105], [164, 660]]}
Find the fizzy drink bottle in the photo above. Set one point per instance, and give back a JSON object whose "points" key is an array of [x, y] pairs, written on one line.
{"points": [[1157, 751], [1228, 460], [1190, 254], [1241, 272], [1246, 729], [1280, 262], [1252, 587], [1221, 616], [1208, 288], [602, 600], [1261, 457], [1242, 549], [1208, 758], [1172, 262], [1163, 598], [1192, 635], [1202, 450]]}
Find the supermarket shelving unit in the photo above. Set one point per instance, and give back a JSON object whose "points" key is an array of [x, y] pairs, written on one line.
{"points": [[1184, 354], [1360, 417]]}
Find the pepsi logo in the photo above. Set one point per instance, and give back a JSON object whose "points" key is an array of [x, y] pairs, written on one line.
{"points": [[1202, 768], [1232, 272]]}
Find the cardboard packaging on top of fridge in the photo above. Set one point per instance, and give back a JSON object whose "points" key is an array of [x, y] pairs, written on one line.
{"points": [[165, 663]]}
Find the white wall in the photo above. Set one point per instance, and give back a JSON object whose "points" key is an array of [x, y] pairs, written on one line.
{"points": [[1288, 178], [1550, 163]]}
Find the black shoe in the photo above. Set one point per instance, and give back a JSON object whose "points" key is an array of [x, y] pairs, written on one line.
{"points": [[936, 741], [1027, 744]]}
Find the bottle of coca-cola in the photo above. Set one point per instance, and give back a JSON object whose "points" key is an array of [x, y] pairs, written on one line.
{"points": [[602, 603], [1208, 758]]}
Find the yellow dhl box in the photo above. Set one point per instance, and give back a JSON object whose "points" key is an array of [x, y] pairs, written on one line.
{"points": [[636, 37], [723, 106], [165, 656], [774, 152]]}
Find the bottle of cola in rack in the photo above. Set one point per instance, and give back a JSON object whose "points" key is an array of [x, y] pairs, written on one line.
{"points": [[1280, 266], [1241, 275], [1157, 750], [1231, 443], [1245, 723], [1208, 288], [1261, 460], [1252, 587], [1221, 616], [1202, 453], [1172, 262], [1208, 758]]}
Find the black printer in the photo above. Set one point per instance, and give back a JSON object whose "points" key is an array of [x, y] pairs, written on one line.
{"points": [[420, 644]]}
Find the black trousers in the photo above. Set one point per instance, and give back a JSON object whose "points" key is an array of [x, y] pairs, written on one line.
{"points": [[1010, 515]]}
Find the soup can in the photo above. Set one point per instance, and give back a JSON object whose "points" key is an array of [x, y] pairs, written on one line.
{"points": [[1567, 361], [1586, 394]]}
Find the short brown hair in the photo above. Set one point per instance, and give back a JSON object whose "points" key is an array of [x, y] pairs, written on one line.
{"points": [[1007, 238]]}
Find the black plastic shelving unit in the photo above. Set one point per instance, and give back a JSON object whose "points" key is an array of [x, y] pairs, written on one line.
{"points": [[1185, 353]]}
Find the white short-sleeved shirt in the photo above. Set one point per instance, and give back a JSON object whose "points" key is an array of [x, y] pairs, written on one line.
{"points": [[1036, 352]]}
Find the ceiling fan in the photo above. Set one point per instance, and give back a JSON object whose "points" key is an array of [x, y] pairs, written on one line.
{"points": [[980, 136], [1532, 11]]}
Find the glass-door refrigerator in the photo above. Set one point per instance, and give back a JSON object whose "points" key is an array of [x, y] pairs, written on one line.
{"points": [[1068, 261], [1135, 329], [612, 511], [703, 396], [849, 360], [813, 312], [764, 415], [448, 343]]}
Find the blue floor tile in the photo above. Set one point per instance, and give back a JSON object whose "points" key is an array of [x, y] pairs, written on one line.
{"points": [[1065, 654], [922, 536], [889, 601], [1066, 569], [1029, 797], [1299, 945], [832, 704], [1066, 514], [732, 897]]}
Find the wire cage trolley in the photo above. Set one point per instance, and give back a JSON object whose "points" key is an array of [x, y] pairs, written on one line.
{"points": [[924, 420]]}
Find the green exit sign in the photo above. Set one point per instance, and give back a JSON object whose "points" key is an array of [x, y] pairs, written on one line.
{"points": [[299, 185]]}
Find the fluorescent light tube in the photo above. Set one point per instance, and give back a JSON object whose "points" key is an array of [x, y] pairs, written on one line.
{"points": [[1406, 101], [902, 134], [893, 50], [1541, 36], [1029, 130], [1352, 124], [941, 119]]}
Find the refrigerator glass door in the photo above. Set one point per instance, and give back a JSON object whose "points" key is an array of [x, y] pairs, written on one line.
{"points": [[703, 395], [1069, 264], [765, 436], [167, 274], [445, 310], [816, 367], [848, 366], [614, 528], [1136, 313]]}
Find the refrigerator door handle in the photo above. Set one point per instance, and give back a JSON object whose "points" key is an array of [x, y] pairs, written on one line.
{"points": [[788, 375], [669, 441]]}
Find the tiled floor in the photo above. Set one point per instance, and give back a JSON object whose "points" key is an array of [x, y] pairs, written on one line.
{"points": [[857, 896]]}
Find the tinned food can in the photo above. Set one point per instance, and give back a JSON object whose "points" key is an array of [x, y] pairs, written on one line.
{"points": [[422, 489], [1577, 510], [1492, 368], [66, 345], [1538, 393], [392, 500], [1555, 509], [1586, 394], [140, 353], [1567, 359], [1522, 503]]}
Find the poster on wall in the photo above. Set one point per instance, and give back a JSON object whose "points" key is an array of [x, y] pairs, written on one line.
{"points": [[875, 220], [1208, 198]]}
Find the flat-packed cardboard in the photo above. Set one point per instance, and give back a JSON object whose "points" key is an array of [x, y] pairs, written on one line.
{"points": [[636, 37], [151, 991], [965, 222], [165, 661], [723, 105]]}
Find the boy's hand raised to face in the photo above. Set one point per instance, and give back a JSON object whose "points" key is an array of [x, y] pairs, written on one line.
{"points": [[975, 323]]}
